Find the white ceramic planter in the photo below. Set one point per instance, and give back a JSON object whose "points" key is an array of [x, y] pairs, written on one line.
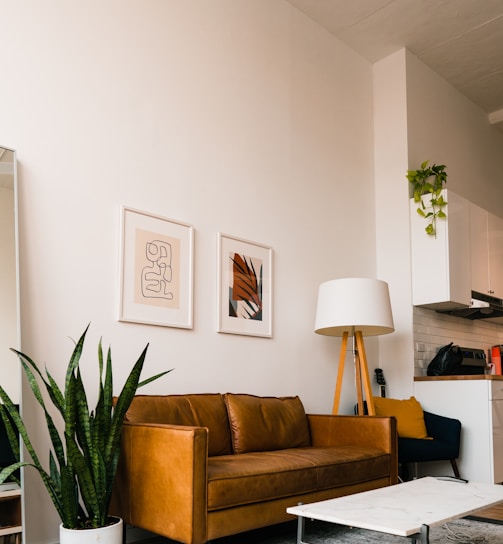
{"points": [[111, 534]]}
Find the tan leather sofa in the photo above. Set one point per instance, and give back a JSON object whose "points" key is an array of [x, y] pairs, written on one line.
{"points": [[198, 467]]}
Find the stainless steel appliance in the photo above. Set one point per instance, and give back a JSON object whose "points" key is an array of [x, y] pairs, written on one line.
{"points": [[474, 361]]}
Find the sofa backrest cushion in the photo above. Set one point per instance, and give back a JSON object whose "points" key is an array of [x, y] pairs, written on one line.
{"points": [[200, 410], [266, 423]]}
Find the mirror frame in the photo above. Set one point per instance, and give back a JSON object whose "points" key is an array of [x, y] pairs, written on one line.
{"points": [[18, 310]]}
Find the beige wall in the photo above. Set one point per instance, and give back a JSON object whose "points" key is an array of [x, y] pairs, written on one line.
{"points": [[240, 117]]}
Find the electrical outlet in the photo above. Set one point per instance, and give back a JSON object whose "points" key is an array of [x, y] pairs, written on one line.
{"points": [[420, 346]]}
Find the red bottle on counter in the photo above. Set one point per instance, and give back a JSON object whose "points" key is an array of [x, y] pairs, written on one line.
{"points": [[496, 359]]}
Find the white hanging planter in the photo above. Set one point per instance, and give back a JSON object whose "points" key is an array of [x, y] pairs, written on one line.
{"points": [[111, 534]]}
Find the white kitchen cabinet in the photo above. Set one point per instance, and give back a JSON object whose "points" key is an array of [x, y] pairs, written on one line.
{"points": [[479, 249], [441, 276], [486, 251], [477, 401], [495, 238]]}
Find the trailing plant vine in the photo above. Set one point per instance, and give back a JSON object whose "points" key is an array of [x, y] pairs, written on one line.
{"points": [[429, 180]]}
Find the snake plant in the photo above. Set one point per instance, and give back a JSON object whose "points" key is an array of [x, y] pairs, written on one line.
{"points": [[84, 456]]}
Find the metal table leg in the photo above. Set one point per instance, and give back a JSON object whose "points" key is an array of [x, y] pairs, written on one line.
{"points": [[301, 522], [423, 537]]}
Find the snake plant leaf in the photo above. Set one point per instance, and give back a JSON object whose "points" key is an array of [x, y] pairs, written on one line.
{"points": [[19, 424], [55, 393], [7, 472], [12, 435], [155, 377]]}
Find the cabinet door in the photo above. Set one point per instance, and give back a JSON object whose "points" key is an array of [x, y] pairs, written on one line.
{"points": [[479, 249], [468, 401], [444, 257], [495, 242]]}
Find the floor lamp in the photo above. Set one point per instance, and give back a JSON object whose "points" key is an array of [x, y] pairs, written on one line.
{"points": [[354, 307]]}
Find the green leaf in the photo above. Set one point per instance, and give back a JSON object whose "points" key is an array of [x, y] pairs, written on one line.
{"points": [[429, 180]]}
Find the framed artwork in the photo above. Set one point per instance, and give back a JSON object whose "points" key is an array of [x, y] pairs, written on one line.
{"points": [[244, 287], [156, 270]]}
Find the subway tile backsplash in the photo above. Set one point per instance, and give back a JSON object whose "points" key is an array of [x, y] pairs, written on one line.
{"points": [[434, 330]]}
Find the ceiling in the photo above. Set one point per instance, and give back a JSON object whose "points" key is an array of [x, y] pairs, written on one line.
{"points": [[462, 40]]}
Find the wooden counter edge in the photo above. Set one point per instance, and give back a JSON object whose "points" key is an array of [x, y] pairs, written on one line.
{"points": [[467, 377]]}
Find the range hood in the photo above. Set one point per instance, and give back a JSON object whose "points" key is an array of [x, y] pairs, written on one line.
{"points": [[482, 307]]}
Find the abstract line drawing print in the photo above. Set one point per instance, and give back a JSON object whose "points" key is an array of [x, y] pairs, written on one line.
{"points": [[157, 269], [157, 276], [245, 289]]}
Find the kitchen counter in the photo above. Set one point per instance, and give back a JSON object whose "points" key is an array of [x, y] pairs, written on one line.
{"points": [[477, 401], [468, 377]]}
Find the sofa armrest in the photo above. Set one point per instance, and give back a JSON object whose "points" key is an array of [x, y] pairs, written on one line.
{"points": [[443, 428], [161, 482], [367, 431]]}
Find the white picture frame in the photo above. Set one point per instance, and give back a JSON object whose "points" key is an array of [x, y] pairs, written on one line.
{"points": [[244, 287], [156, 270]]}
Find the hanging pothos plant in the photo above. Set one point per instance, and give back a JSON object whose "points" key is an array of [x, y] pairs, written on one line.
{"points": [[429, 180]]}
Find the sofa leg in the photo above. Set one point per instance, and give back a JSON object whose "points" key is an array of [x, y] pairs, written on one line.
{"points": [[455, 468], [403, 472]]}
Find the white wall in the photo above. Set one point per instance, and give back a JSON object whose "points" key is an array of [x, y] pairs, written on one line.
{"points": [[419, 116], [241, 117], [392, 218], [446, 128]]}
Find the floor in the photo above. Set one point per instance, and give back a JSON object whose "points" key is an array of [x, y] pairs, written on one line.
{"points": [[493, 512]]}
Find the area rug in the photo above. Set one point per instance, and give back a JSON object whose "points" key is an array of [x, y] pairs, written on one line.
{"points": [[462, 531]]}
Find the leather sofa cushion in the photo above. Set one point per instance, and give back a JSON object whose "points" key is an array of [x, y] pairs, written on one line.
{"points": [[266, 423], [200, 410], [275, 474]]}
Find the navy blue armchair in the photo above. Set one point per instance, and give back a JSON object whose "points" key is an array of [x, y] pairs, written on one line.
{"points": [[446, 435]]}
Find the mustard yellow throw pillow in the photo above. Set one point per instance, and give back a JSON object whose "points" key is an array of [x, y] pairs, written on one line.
{"points": [[409, 415]]}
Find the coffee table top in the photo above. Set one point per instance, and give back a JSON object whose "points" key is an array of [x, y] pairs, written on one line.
{"points": [[402, 509]]}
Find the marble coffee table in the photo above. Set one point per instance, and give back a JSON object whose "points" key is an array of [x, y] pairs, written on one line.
{"points": [[407, 509]]}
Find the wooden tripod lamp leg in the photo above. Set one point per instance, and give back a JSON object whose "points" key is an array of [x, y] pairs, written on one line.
{"points": [[364, 373], [340, 374], [358, 383]]}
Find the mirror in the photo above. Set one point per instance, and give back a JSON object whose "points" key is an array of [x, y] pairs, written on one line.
{"points": [[9, 299], [11, 505]]}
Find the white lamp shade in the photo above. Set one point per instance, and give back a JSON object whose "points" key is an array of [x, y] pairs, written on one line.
{"points": [[354, 304]]}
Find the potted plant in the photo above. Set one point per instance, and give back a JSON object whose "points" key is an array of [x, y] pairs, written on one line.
{"points": [[428, 182], [84, 456]]}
